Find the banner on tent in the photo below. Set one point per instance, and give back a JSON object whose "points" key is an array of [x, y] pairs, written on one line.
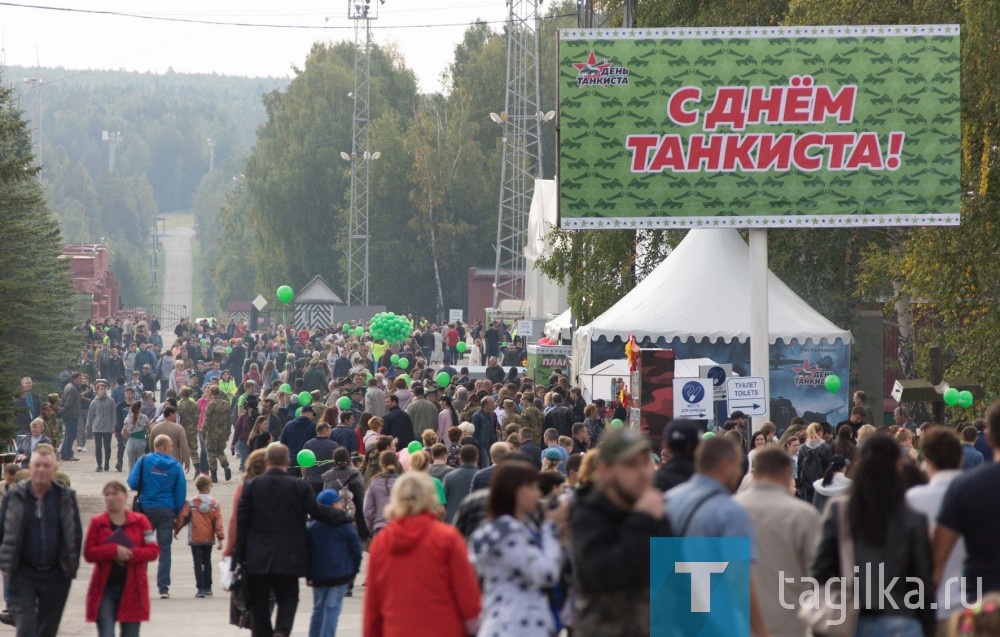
{"points": [[796, 382], [759, 127]]}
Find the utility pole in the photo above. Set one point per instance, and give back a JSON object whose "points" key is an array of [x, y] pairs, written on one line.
{"points": [[522, 149], [112, 138], [362, 12], [36, 84]]}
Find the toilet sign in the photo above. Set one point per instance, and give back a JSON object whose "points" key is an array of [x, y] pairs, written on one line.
{"points": [[692, 398], [748, 395]]}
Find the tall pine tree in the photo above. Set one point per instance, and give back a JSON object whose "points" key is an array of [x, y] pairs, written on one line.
{"points": [[36, 320]]}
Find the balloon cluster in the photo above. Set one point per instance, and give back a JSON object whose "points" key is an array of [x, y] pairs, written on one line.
{"points": [[963, 399], [389, 327]]}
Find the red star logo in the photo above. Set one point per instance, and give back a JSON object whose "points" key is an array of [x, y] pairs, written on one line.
{"points": [[805, 370], [592, 65]]}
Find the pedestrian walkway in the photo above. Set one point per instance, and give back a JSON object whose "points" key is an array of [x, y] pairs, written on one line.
{"points": [[182, 615]]}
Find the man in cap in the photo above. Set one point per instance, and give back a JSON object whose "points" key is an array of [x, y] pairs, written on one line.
{"points": [[611, 527], [679, 441], [741, 421]]}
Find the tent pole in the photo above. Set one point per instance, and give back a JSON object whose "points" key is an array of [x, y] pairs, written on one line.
{"points": [[759, 327]]}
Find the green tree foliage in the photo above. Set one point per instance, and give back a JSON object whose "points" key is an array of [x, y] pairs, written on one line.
{"points": [[447, 181], [295, 178], [36, 322]]}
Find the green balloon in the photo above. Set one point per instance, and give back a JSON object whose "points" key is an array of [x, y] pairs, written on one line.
{"points": [[298, 412], [229, 350], [406, 378], [414, 446], [504, 344], [707, 435], [951, 396], [285, 293], [369, 376], [965, 399], [204, 342], [305, 398], [306, 458], [394, 359], [616, 423], [832, 383], [359, 332], [461, 347], [443, 378], [344, 403], [286, 388], [404, 363]]}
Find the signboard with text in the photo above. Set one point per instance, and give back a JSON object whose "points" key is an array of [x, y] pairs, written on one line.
{"points": [[759, 127]]}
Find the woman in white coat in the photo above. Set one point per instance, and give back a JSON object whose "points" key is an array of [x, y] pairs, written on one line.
{"points": [[515, 560]]}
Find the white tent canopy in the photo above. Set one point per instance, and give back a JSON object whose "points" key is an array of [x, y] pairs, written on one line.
{"points": [[542, 296], [555, 328], [702, 291]]}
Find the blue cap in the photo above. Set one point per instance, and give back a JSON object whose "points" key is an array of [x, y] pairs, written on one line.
{"points": [[327, 497]]}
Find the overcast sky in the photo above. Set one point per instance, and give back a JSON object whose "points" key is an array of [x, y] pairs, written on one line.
{"points": [[80, 40]]}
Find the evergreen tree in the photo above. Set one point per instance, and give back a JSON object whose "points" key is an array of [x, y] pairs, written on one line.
{"points": [[36, 321]]}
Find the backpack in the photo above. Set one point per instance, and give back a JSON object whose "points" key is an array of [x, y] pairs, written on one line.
{"points": [[347, 497], [812, 468]]}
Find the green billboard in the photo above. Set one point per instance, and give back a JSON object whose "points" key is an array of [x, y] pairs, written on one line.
{"points": [[759, 127]]}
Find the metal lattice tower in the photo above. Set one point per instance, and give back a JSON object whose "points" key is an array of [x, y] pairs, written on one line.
{"points": [[363, 12], [598, 14], [522, 150]]}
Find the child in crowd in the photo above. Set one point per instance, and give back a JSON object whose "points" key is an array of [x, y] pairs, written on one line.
{"points": [[204, 515], [335, 558]]}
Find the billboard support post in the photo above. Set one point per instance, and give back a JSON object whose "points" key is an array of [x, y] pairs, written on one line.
{"points": [[759, 325]]}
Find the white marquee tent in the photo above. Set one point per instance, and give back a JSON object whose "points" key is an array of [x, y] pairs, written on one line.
{"points": [[702, 291]]}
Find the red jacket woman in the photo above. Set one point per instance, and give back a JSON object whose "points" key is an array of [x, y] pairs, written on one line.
{"points": [[103, 551], [419, 568]]}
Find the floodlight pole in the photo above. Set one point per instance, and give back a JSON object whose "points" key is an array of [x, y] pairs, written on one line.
{"points": [[362, 12], [522, 150]]}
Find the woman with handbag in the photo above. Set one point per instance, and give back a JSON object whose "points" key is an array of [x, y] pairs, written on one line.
{"points": [[873, 528], [119, 544], [135, 429]]}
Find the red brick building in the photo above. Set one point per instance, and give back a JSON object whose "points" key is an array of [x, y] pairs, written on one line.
{"points": [[480, 287], [90, 268]]}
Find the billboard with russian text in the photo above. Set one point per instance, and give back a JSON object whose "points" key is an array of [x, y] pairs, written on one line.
{"points": [[759, 127]]}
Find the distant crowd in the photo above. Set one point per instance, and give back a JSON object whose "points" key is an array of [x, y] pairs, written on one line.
{"points": [[487, 504]]}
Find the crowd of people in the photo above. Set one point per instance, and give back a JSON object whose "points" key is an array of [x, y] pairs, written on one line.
{"points": [[487, 505]]}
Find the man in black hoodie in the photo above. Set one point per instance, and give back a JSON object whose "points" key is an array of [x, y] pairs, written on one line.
{"points": [[611, 524], [680, 439]]}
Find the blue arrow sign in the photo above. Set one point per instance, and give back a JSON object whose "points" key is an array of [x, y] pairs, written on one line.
{"points": [[753, 406]]}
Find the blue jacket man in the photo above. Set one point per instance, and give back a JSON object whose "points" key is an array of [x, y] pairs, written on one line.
{"points": [[344, 434], [297, 432], [159, 480]]}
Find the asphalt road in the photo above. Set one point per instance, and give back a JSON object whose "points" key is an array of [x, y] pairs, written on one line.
{"points": [[178, 280]]}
